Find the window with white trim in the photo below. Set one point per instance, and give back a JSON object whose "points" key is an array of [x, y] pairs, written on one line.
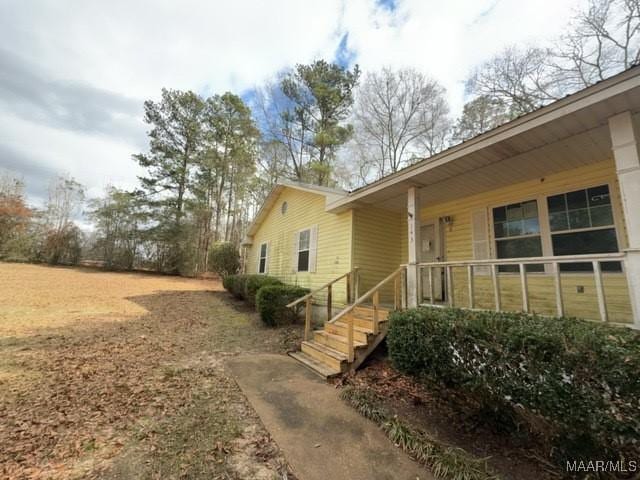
{"points": [[581, 222], [516, 230], [262, 261], [304, 248]]}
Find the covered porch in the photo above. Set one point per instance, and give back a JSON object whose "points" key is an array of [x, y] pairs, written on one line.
{"points": [[541, 215]]}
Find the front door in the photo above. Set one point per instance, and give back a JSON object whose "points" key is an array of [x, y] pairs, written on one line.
{"points": [[431, 251]]}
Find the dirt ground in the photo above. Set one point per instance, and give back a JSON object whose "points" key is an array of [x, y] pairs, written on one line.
{"points": [[121, 375], [446, 416]]}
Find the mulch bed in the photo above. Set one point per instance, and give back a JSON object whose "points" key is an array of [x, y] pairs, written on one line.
{"points": [[449, 417]]}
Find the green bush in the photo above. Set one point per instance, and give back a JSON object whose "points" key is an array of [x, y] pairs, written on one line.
{"points": [[254, 283], [570, 381], [227, 282], [272, 300], [236, 284], [224, 259]]}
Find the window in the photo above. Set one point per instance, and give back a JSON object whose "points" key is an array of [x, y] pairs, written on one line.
{"points": [[283, 207], [516, 229], [581, 222], [262, 261], [304, 243]]}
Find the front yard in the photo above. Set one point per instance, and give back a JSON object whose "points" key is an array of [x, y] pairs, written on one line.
{"points": [[118, 375]]}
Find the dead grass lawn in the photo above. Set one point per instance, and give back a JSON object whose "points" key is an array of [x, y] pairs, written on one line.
{"points": [[117, 375]]}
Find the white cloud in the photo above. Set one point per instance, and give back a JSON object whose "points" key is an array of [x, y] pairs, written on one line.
{"points": [[446, 39], [125, 50], [94, 160]]}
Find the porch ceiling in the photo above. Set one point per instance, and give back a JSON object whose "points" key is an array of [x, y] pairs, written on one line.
{"points": [[519, 151]]}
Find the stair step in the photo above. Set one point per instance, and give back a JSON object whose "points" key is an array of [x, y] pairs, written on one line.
{"points": [[321, 353], [367, 312], [360, 334], [362, 322], [315, 366], [336, 342]]}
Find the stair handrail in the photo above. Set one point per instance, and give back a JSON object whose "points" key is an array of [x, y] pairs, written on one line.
{"points": [[368, 294], [326, 285], [351, 276], [375, 293]]}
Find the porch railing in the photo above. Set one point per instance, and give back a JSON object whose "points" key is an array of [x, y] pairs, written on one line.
{"points": [[493, 265], [352, 279]]}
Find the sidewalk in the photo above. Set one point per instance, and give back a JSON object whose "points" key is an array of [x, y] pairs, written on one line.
{"points": [[321, 436]]}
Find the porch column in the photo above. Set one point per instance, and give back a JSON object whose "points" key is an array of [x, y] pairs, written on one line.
{"points": [[624, 141], [413, 223]]}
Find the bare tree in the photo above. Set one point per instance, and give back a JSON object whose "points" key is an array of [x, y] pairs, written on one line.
{"points": [[519, 78], [400, 116], [62, 243], [479, 115], [602, 40], [66, 198]]}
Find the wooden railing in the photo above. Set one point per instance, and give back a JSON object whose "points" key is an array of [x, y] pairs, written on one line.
{"points": [[493, 265], [352, 287], [399, 301]]}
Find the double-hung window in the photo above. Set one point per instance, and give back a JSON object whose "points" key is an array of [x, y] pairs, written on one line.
{"points": [[581, 222], [304, 247], [262, 260], [516, 229]]}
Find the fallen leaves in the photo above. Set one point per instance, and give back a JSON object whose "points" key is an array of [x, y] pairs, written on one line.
{"points": [[71, 399]]}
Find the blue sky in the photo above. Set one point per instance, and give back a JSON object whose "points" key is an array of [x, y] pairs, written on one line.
{"points": [[74, 78]]}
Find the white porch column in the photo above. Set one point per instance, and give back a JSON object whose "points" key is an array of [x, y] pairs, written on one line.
{"points": [[413, 223], [624, 141]]}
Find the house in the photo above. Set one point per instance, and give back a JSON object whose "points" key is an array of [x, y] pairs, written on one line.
{"points": [[541, 215]]}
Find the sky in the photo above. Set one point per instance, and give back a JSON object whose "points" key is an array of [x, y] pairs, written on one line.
{"points": [[74, 73]]}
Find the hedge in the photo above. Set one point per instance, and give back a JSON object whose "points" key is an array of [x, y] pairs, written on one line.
{"points": [[227, 282], [253, 283], [271, 302], [237, 285], [572, 382]]}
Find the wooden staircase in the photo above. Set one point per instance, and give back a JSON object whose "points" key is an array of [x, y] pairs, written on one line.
{"points": [[348, 338], [327, 352]]}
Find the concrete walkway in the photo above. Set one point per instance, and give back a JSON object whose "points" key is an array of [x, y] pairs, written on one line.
{"points": [[322, 437]]}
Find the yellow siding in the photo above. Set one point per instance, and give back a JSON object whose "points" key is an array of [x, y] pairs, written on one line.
{"points": [[377, 246], [458, 247], [375, 240], [333, 248]]}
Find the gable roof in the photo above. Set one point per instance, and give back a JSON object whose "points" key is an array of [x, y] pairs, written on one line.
{"points": [[330, 194]]}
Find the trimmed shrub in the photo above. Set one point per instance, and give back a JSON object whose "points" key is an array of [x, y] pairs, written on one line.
{"points": [[572, 382], [224, 259], [236, 284], [272, 300], [254, 283], [227, 282]]}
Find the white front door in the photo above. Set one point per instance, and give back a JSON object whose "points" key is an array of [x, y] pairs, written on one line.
{"points": [[431, 251]]}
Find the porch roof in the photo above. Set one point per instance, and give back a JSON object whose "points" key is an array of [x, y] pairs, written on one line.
{"points": [[568, 133]]}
